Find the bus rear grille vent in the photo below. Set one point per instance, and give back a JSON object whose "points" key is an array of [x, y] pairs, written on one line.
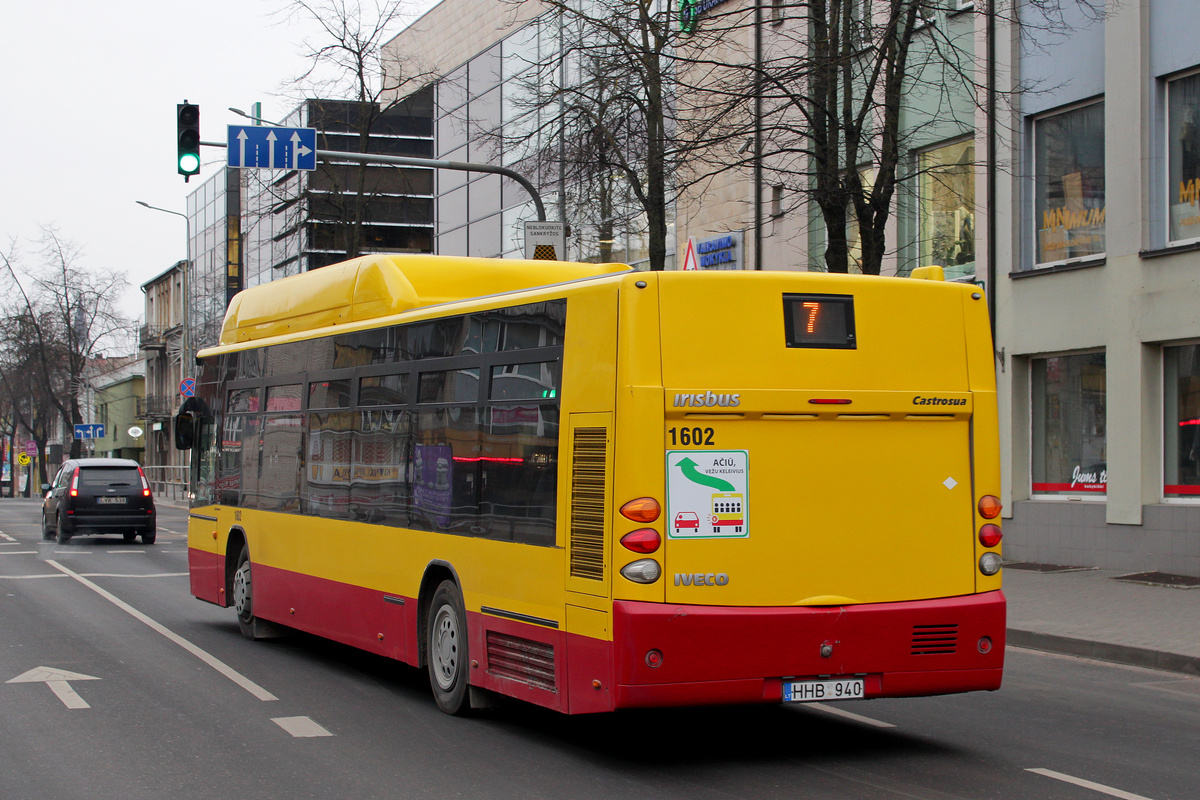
{"points": [[588, 477], [934, 640], [522, 660]]}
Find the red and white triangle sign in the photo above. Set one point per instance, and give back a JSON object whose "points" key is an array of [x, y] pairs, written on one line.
{"points": [[690, 262]]}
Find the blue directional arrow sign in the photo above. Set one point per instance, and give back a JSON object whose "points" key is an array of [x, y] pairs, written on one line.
{"points": [[259, 147], [90, 431]]}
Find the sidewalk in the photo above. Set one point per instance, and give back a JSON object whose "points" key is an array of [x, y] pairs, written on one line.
{"points": [[1090, 613]]}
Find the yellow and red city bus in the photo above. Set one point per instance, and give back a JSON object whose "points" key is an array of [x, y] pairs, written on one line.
{"points": [[593, 488]]}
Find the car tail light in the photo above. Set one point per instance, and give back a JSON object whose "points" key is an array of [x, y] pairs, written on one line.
{"points": [[643, 509], [75, 483], [145, 483], [989, 507], [643, 540], [645, 570], [990, 535], [829, 401]]}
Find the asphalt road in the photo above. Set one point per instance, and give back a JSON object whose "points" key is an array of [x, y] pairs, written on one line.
{"points": [[174, 703]]}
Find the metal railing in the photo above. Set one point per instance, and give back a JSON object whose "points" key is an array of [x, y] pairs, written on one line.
{"points": [[169, 482], [155, 406]]}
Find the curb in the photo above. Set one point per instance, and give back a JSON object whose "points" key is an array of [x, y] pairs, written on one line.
{"points": [[1105, 651]]}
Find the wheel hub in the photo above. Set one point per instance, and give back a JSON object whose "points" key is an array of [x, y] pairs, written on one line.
{"points": [[241, 590], [445, 647]]}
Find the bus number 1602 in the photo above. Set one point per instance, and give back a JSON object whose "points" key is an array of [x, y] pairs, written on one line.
{"points": [[691, 436]]}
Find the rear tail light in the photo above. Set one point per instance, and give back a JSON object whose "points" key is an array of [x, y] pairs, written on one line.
{"points": [[643, 540], [644, 570], [990, 535], [829, 401], [145, 483], [989, 563], [643, 509], [75, 483], [989, 507]]}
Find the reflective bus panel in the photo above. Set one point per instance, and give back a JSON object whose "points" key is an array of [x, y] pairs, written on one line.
{"points": [[542, 485]]}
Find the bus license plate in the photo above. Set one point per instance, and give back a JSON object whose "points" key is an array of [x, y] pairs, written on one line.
{"points": [[111, 501], [817, 691]]}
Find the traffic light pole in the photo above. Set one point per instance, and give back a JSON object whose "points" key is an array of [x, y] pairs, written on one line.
{"points": [[412, 161]]}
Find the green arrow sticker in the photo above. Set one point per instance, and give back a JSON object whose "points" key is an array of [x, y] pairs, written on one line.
{"points": [[696, 476]]}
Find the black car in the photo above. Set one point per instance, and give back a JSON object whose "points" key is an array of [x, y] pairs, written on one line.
{"points": [[98, 496]]}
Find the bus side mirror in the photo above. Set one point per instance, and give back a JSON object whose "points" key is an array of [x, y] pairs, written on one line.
{"points": [[185, 431], [187, 421]]}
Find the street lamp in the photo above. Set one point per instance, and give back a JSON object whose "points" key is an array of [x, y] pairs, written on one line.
{"points": [[185, 354], [253, 118]]}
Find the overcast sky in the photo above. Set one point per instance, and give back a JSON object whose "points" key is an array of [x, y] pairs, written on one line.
{"points": [[87, 116]]}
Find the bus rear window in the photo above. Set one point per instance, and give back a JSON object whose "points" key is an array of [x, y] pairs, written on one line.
{"points": [[819, 320]]}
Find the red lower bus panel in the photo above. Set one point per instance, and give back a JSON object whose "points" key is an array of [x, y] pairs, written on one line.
{"points": [[738, 655], [207, 572]]}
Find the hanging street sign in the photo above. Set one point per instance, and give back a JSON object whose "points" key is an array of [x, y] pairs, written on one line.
{"points": [[187, 387], [89, 431], [259, 147], [546, 241]]}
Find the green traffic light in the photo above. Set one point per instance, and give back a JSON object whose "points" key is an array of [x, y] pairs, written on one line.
{"points": [[189, 163]]}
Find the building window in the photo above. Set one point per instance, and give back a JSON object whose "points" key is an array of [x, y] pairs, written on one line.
{"points": [[1069, 184], [946, 207], [776, 201], [1069, 453], [1183, 184], [1181, 421]]}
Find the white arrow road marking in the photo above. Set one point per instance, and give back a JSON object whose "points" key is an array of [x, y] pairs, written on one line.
{"points": [[57, 679], [1096, 787], [214, 662], [301, 727], [837, 712]]}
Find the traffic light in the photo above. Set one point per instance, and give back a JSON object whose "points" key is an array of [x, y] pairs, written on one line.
{"points": [[188, 117]]}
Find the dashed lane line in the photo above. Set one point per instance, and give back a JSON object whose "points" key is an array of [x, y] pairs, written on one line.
{"points": [[18, 552], [1096, 787], [95, 575], [301, 727], [214, 662]]}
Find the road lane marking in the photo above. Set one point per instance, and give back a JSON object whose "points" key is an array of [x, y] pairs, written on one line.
{"points": [[124, 552], [95, 575], [6, 537], [9, 543], [1096, 787], [837, 712], [214, 662], [57, 679], [301, 727], [18, 552]]}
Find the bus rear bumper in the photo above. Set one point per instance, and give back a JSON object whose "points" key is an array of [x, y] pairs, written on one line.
{"points": [[717, 655]]}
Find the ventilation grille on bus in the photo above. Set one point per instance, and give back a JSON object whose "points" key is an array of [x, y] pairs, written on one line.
{"points": [[521, 659], [934, 640], [588, 469]]}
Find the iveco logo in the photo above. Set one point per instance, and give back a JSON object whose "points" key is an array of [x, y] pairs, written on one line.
{"points": [[707, 399], [701, 579]]}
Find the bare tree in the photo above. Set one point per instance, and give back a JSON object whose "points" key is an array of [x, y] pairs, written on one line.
{"points": [[344, 84], [56, 321]]}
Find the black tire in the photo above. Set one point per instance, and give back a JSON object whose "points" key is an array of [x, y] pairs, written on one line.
{"points": [[243, 593], [60, 535], [129, 536], [447, 651], [48, 533], [149, 537]]}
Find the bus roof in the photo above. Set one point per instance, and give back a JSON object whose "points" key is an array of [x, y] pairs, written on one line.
{"points": [[383, 285]]}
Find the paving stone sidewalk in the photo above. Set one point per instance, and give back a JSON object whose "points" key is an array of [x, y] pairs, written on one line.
{"points": [[1094, 614]]}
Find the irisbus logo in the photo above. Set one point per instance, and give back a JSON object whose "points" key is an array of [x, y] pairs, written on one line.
{"points": [[707, 400]]}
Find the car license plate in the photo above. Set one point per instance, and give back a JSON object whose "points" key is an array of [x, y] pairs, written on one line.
{"points": [[115, 501], [817, 691]]}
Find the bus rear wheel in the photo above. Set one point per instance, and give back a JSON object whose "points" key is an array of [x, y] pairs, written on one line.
{"points": [[446, 647]]}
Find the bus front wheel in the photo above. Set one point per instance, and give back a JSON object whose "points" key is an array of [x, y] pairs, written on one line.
{"points": [[447, 649], [243, 598]]}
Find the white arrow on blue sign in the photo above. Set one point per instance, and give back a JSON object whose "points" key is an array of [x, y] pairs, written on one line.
{"points": [[91, 431], [260, 147]]}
